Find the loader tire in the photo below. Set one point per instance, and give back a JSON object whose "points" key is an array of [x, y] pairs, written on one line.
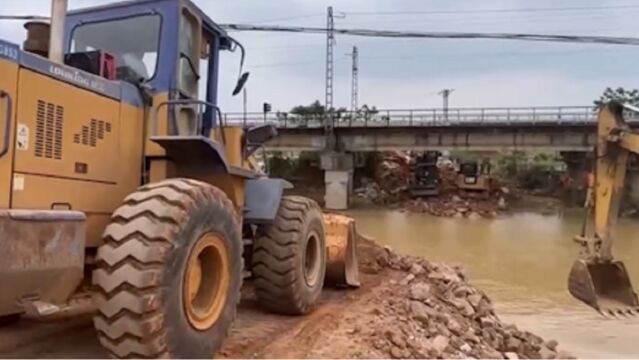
{"points": [[289, 258], [169, 273]]}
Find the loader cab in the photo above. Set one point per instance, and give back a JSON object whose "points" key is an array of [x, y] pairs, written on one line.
{"points": [[169, 49]]}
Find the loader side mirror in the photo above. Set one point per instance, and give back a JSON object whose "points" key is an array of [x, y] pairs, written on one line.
{"points": [[240, 83]]}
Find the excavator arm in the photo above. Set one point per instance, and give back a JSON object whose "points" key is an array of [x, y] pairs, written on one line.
{"points": [[597, 278]]}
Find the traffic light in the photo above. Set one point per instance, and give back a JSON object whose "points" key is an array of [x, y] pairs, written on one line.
{"points": [[267, 107]]}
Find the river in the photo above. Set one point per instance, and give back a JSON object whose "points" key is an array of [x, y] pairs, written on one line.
{"points": [[522, 263]]}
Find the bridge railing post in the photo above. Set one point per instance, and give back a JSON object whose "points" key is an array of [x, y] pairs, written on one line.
{"points": [[387, 118], [410, 118], [534, 115], [508, 116], [481, 117], [434, 116], [559, 116]]}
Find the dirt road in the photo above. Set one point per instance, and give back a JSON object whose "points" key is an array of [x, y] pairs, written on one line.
{"points": [[256, 333]]}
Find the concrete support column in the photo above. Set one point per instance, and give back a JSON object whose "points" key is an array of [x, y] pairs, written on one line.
{"points": [[338, 179]]}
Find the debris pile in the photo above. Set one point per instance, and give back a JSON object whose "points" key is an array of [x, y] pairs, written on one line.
{"points": [[432, 312], [456, 207], [392, 176]]}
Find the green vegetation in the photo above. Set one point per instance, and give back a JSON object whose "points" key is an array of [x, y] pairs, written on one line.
{"points": [[630, 97]]}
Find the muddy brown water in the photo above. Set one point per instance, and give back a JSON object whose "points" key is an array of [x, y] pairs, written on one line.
{"points": [[522, 262]]}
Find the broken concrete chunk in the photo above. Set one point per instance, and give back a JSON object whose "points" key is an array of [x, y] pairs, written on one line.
{"points": [[420, 291]]}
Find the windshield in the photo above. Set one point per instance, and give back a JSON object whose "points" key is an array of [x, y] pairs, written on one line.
{"points": [[133, 41]]}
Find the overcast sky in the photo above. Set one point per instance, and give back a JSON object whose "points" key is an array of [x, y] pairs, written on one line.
{"points": [[288, 69]]}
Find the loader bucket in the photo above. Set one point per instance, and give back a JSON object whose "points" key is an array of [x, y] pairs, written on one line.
{"points": [[605, 286], [341, 251]]}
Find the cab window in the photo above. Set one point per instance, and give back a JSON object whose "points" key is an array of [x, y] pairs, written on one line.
{"points": [[189, 65], [134, 42]]}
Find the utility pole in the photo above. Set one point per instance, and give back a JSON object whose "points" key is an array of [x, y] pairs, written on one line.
{"points": [[328, 102], [445, 94], [354, 85]]}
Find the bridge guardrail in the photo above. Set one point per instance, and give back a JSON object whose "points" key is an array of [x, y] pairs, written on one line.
{"points": [[429, 117]]}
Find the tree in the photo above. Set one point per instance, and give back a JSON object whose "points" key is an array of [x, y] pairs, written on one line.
{"points": [[314, 109], [630, 97]]}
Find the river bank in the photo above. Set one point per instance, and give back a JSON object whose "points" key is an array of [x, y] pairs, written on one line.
{"points": [[521, 261]]}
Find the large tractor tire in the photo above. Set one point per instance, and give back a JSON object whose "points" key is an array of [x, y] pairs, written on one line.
{"points": [[169, 273], [289, 258]]}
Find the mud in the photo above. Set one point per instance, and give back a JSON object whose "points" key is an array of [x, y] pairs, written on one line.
{"points": [[406, 308]]}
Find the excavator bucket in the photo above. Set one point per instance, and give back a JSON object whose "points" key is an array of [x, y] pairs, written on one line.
{"points": [[605, 286], [341, 251]]}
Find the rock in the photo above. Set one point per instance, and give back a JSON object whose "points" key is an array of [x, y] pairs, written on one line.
{"points": [[405, 281], [511, 356], [462, 291], [470, 336], [485, 308], [513, 344], [416, 269], [490, 354], [438, 345], [396, 353], [454, 327], [464, 307], [445, 273], [465, 348], [421, 312], [546, 353], [420, 291], [552, 345], [487, 322], [455, 198], [442, 330], [395, 338], [475, 300], [355, 330], [474, 216], [379, 344]]}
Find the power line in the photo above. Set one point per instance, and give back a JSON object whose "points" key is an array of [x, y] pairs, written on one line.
{"points": [[288, 18], [490, 11], [24, 17], [609, 40]]}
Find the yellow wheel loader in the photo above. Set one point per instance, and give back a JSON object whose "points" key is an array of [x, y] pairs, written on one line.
{"points": [[121, 184], [597, 278]]}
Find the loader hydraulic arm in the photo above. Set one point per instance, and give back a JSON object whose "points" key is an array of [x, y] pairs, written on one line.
{"points": [[596, 278]]}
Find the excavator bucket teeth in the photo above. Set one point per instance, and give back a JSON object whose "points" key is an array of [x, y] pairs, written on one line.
{"points": [[341, 251], [604, 286]]}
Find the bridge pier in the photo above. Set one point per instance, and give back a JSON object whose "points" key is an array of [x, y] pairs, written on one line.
{"points": [[338, 179]]}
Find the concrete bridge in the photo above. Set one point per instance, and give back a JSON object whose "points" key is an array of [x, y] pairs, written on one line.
{"points": [[569, 128]]}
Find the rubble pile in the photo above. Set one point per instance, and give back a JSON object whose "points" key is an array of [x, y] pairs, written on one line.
{"points": [[434, 313], [447, 178], [392, 176], [456, 207]]}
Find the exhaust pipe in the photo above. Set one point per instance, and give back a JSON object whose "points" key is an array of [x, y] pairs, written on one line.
{"points": [[58, 17]]}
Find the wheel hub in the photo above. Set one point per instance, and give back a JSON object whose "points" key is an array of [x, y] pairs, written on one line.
{"points": [[312, 264], [206, 281]]}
